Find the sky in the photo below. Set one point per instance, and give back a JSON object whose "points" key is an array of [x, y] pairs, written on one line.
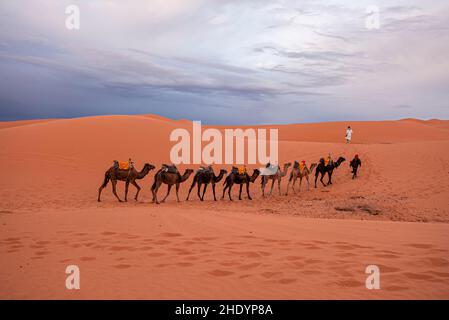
{"points": [[226, 62]]}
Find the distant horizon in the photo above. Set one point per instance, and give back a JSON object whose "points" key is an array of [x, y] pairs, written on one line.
{"points": [[218, 124]]}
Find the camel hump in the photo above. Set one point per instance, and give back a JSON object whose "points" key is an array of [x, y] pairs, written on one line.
{"points": [[171, 168], [205, 169]]}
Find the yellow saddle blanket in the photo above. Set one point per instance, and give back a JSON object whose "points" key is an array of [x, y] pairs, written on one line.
{"points": [[326, 161], [123, 165], [242, 170], [301, 167]]}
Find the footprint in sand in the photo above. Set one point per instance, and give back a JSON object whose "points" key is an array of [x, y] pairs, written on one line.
{"points": [[156, 254], [310, 261], [349, 283], [287, 281], [108, 233], [221, 273], [121, 248], [122, 266], [387, 269], [160, 242], [87, 258], [440, 274], [184, 264], [418, 276], [41, 253], [387, 256], [171, 234], [292, 258], [437, 262], [249, 266], [395, 288], [419, 245], [344, 247], [270, 275]]}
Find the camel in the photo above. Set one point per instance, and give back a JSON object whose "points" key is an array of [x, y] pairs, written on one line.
{"points": [[329, 169], [236, 178], [298, 173], [274, 177], [129, 176], [170, 176], [206, 176]]}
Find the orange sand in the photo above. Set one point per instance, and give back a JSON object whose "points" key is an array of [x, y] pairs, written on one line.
{"points": [[276, 247]]}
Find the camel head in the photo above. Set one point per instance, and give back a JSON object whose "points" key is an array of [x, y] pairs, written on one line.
{"points": [[254, 176], [149, 166], [339, 161], [312, 166], [220, 176], [286, 166]]}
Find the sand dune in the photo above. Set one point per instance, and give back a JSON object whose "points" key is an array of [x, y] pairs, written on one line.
{"points": [[278, 247]]}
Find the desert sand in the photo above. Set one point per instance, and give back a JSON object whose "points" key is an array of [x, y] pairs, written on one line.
{"points": [[314, 244]]}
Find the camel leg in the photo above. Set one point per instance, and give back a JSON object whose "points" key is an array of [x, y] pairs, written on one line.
{"points": [[279, 186], [99, 193], [224, 190], [229, 191], [105, 183], [168, 192], [316, 178], [199, 190], [204, 191], [272, 185], [288, 185], [308, 183], [191, 187], [177, 192], [126, 190], [114, 189], [138, 189], [293, 185], [156, 185], [321, 179], [240, 192], [300, 183], [213, 191], [263, 184], [247, 191], [330, 178]]}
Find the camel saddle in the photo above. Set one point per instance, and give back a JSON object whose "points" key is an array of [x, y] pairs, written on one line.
{"points": [[207, 169], [269, 170], [170, 168], [122, 165], [239, 170], [296, 165]]}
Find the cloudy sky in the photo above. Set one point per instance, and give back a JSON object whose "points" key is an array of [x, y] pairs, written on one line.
{"points": [[226, 62]]}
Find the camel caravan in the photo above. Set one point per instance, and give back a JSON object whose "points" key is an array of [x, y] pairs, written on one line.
{"points": [[171, 176]]}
